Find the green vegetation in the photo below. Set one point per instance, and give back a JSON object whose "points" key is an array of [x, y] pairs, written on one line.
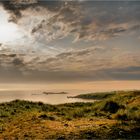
{"points": [[95, 96], [117, 116]]}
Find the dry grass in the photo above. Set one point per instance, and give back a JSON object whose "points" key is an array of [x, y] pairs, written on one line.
{"points": [[28, 120]]}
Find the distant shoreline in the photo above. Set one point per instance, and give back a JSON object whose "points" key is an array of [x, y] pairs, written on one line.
{"points": [[117, 116], [47, 93]]}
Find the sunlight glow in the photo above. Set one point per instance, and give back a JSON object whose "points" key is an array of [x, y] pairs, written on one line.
{"points": [[8, 31]]}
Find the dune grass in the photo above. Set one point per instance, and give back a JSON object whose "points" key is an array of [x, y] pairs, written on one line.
{"points": [[95, 96], [116, 116]]}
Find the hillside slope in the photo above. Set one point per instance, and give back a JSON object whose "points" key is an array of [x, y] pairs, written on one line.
{"points": [[116, 116]]}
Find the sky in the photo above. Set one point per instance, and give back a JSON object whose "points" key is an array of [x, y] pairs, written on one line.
{"points": [[69, 41]]}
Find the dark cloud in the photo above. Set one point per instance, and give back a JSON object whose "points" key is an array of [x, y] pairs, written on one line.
{"points": [[88, 20], [17, 62], [38, 27], [106, 21], [46, 21], [93, 58], [81, 65], [66, 76], [14, 7], [12, 55]]}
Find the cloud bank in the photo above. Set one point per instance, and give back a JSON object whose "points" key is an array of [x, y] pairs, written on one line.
{"points": [[58, 41]]}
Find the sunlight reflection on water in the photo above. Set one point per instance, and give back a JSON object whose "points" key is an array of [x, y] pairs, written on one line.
{"points": [[36, 96]]}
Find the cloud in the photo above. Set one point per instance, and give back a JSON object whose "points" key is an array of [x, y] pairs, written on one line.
{"points": [[43, 22], [88, 59], [58, 19], [14, 7], [93, 63]]}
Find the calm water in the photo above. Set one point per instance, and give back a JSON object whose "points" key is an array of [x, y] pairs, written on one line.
{"points": [[6, 96], [33, 92]]}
